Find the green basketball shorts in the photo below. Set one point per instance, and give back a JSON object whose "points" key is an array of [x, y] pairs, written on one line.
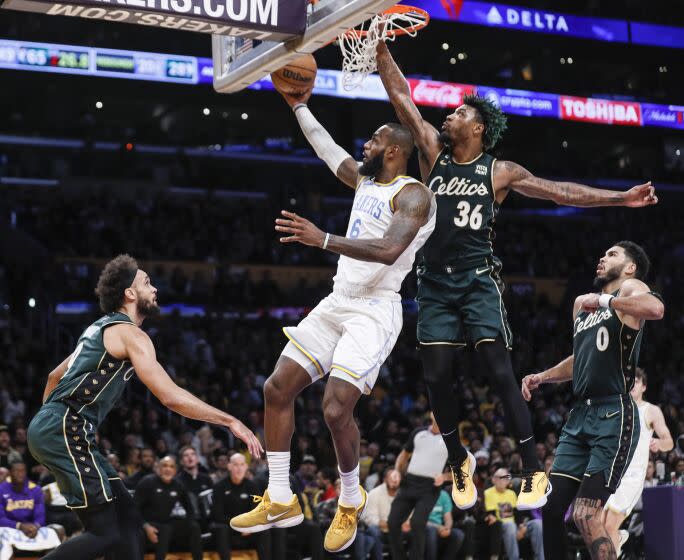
{"points": [[64, 441], [600, 435], [460, 307]]}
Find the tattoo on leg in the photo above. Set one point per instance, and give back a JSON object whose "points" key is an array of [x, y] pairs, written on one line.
{"points": [[589, 520]]}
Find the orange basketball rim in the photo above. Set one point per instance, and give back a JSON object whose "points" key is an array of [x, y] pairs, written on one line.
{"points": [[406, 20]]}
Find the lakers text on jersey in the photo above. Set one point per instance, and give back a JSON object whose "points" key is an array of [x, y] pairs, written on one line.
{"points": [[351, 332]]}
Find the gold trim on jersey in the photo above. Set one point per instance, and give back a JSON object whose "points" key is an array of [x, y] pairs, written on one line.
{"points": [[97, 468], [88, 373], [80, 479], [565, 475], [391, 201], [123, 363], [394, 180], [345, 370], [465, 162], [313, 360]]}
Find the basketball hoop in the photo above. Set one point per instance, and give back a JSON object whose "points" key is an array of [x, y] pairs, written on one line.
{"points": [[358, 45]]}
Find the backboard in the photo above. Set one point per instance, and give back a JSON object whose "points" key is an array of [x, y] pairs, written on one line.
{"points": [[241, 61]]}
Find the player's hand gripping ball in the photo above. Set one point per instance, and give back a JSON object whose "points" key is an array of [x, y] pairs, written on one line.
{"points": [[295, 82]]}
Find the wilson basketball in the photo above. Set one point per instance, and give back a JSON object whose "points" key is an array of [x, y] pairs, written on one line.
{"points": [[297, 77]]}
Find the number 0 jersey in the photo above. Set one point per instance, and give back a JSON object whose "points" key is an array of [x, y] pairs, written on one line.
{"points": [[94, 380], [466, 212], [606, 354], [370, 218]]}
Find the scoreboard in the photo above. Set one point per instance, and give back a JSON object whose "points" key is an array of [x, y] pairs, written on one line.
{"points": [[69, 59]]}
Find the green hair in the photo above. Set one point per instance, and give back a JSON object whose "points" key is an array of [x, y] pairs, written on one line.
{"points": [[492, 118]]}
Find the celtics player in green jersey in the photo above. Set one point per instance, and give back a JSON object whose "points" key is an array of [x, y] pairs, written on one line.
{"points": [[602, 430], [79, 394], [459, 286]]}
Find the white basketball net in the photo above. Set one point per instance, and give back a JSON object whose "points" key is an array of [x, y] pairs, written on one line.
{"points": [[358, 52]]}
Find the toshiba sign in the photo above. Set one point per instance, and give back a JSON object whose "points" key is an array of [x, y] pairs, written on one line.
{"points": [[604, 111], [438, 94]]}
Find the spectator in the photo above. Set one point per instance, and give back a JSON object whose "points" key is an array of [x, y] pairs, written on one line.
{"points": [[220, 459], [423, 459], [167, 511], [443, 540], [22, 515], [147, 462], [195, 480], [57, 512], [378, 467], [378, 507], [325, 480], [306, 476], [8, 454], [233, 496], [500, 502]]}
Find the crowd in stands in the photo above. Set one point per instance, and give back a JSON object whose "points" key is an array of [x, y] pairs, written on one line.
{"points": [[226, 359]]}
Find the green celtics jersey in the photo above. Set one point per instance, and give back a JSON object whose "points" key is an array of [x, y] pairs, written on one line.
{"points": [[94, 380], [606, 353], [466, 211]]}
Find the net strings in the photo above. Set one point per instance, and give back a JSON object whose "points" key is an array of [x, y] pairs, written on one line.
{"points": [[358, 52]]}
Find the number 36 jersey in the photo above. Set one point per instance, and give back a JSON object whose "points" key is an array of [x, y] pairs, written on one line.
{"points": [[606, 353], [370, 218], [466, 212]]}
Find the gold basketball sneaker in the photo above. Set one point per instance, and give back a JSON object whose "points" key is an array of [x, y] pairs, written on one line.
{"points": [[268, 514], [463, 491], [534, 489], [342, 530]]}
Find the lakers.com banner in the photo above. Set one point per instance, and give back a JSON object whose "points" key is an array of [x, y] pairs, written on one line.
{"points": [[272, 20]]}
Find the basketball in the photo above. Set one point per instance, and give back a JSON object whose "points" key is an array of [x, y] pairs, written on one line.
{"points": [[297, 77]]}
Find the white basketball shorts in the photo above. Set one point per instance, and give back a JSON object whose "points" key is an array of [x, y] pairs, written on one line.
{"points": [[628, 492], [350, 337]]}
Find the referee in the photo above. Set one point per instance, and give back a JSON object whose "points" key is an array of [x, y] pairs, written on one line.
{"points": [[425, 454]]}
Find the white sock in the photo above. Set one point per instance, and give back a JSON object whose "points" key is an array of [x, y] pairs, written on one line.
{"points": [[279, 476], [350, 495]]}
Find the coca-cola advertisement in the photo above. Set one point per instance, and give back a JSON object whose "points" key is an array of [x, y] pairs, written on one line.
{"points": [[438, 94]]}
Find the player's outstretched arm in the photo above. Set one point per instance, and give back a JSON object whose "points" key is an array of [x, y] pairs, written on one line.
{"points": [[635, 303], [140, 351], [338, 160], [55, 376], [557, 374], [411, 211], [664, 442], [509, 175], [425, 135]]}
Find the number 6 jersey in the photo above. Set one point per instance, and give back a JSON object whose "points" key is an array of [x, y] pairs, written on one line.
{"points": [[466, 212], [370, 218]]}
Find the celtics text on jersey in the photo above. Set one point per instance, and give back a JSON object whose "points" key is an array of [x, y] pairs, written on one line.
{"points": [[466, 212], [606, 353]]}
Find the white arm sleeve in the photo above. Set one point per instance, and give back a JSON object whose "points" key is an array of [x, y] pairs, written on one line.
{"points": [[319, 138]]}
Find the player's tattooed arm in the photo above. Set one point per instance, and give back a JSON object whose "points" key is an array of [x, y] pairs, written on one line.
{"points": [[425, 135], [511, 176], [55, 376], [412, 210]]}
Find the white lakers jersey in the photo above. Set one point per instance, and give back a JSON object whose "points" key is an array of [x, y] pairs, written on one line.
{"points": [[370, 218]]}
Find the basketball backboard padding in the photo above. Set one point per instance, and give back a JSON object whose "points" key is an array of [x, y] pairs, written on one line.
{"points": [[329, 18]]}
